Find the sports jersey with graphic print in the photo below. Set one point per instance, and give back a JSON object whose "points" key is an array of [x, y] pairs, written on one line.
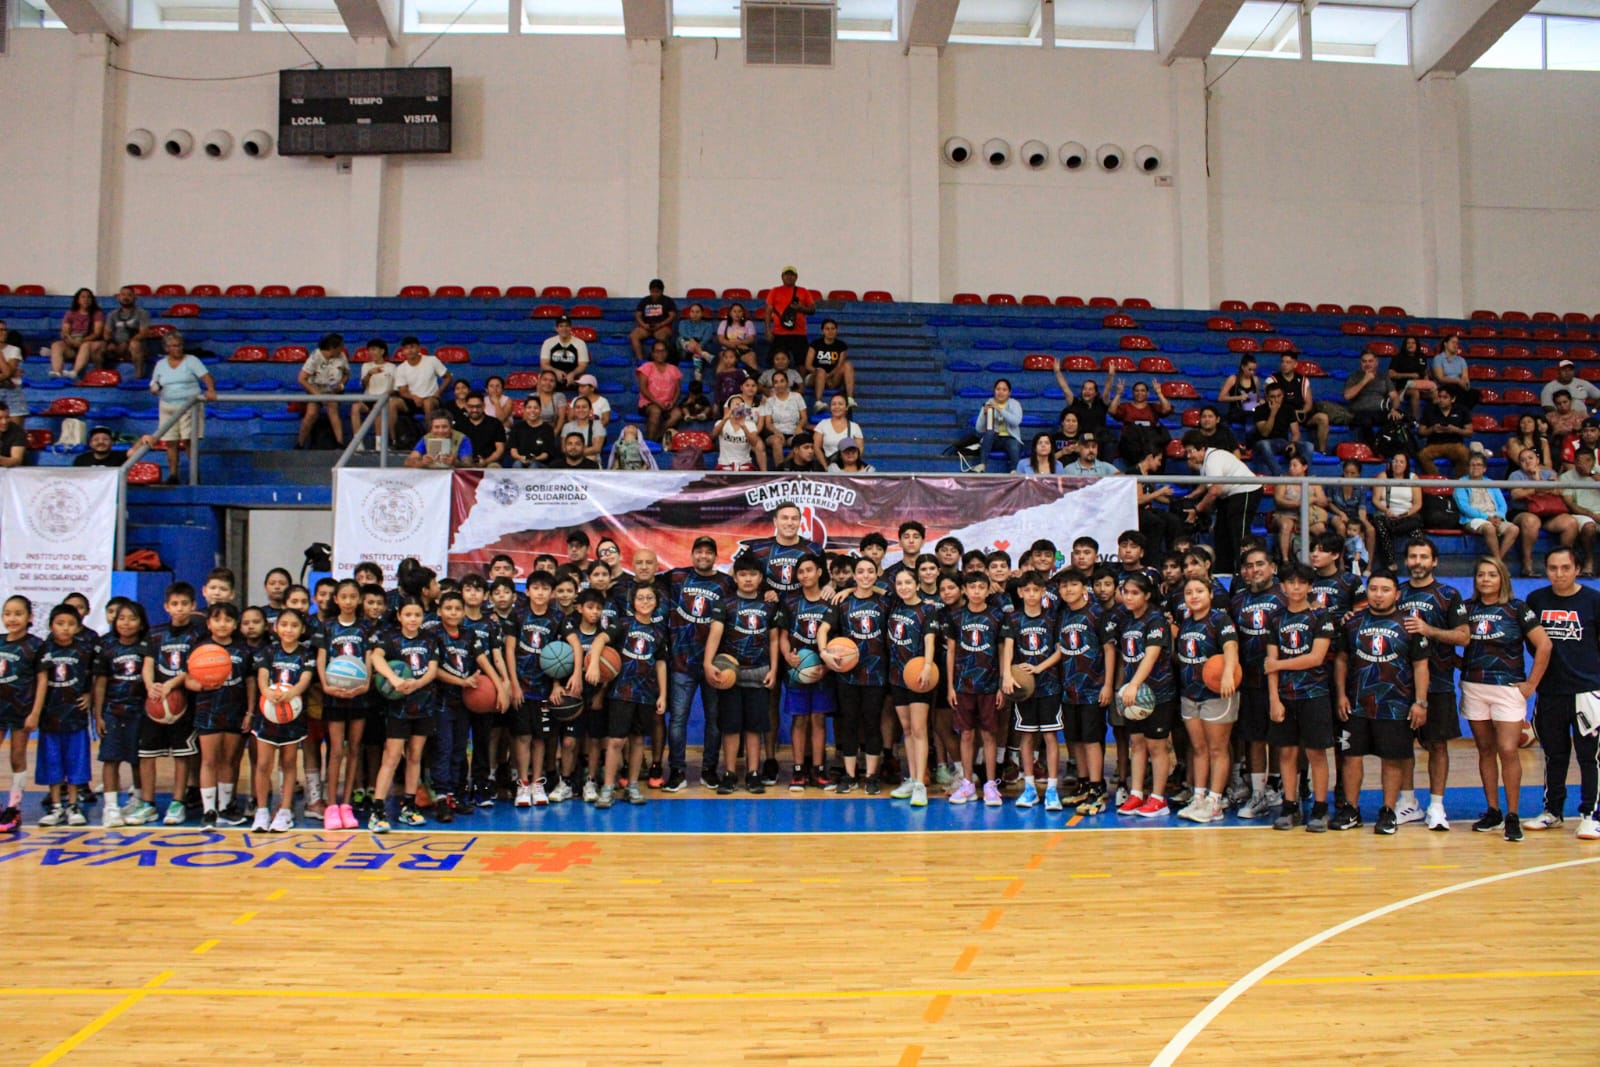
{"points": [[1033, 640], [533, 632], [1136, 637], [908, 627], [746, 624], [17, 660], [337, 639], [779, 562], [67, 670], [284, 668], [122, 666], [862, 620], [1256, 616], [171, 645], [639, 645], [1336, 593], [458, 657], [1441, 607], [1497, 636], [977, 636], [1197, 641], [1380, 680], [419, 654], [693, 604], [1297, 632], [1081, 637], [224, 705]]}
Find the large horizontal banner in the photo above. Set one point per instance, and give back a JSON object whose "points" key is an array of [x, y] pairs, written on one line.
{"points": [[525, 513], [383, 515], [58, 535]]}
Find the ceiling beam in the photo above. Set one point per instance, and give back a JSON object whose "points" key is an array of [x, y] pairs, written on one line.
{"points": [[371, 19], [646, 20], [1190, 29], [926, 23], [1448, 36], [93, 16]]}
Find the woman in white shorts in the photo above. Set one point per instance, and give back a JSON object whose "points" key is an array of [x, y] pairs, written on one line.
{"points": [[1495, 688], [1208, 714], [177, 380]]}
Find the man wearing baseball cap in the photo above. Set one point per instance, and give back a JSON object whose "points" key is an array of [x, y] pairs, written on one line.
{"points": [[785, 317], [565, 355], [1584, 394]]}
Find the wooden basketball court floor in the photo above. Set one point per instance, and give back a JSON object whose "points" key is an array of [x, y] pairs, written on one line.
{"points": [[874, 941]]}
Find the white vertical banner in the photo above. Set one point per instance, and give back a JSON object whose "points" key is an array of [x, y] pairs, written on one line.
{"points": [[58, 533], [384, 515]]}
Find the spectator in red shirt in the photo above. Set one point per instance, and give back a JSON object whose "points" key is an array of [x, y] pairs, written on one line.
{"points": [[785, 317]]}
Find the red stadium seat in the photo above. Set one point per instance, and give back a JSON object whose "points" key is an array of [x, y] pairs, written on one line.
{"points": [[1221, 324], [1256, 325], [1575, 334], [67, 405], [1156, 365], [144, 473], [452, 354], [1483, 332], [1589, 374], [877, 296], [1243, 344], [1484, 315], [1361, 309], [1485, 424], [1310, 368], [1080, 364], [1578, 353], [171, 289], [1280, 345], [960, 298], [556, 292], [1179, 391], [548, 311], [1069, 302], [1357, 451], [1382, 349], [1137, 342], [522, 379], [1521, 396], [239, 290], [592, 292], [1102, 302], [310, 291], [1330, 309], [587, 333], [1136, 303], [361, 355], [206, 290], [1576, 318], [1233, 305], [289, 354], [1482, 352], [161, 329], [1038, 361], [138, 290], [183, 311], [100, 379], [275, 292], [411, 292], [1118, 321], [1001, 300], [1519, 333], [1120, 364], [1488, 396], [1519, 374], [31, 289], [843, 296], [586, 311], [37, 439], [1482, 372], [522, 292], [1355, 328], [1386, 329], [450, 291], [1190, 418], [741, 293], [1515, 352], [1175, 446], [485, 292], [695, 440], [1545, 316], [1550, 352], [1509, 423], [1419, 329], [1393, 311], [1297, 307], [1266, 307], [1450, 331], [1546, 333], [1515, 316], [1035, 300], [5, 290]]}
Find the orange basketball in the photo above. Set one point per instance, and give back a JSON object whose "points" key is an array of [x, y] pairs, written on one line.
{"points": [[209, 665], [482, 696], [1023, 681], [912, 678], [168, 711], [844, 652], [1528, 736], [610, 664], [1211, 674], [724, 671]]}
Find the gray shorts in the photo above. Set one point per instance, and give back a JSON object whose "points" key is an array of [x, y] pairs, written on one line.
{"points": [[1214, 709]]}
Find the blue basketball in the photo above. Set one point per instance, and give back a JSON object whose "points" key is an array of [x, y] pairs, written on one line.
{"points": [[555, 660], [808, 670], [346, 672]]}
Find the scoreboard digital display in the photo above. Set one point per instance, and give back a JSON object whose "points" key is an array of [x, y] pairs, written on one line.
{"points": [[363, 112]]}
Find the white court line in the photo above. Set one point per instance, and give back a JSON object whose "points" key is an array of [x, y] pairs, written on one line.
{"points": [[1191, 1030]]}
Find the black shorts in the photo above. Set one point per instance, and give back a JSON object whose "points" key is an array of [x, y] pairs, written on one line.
{"points": [[743, 710], [1255, 715], [399, 728], [1037, 715], [172, 739], [1084, 724], [625, 718], [377, 727], [1388, 739], [1159, 725], [901, 697], [531, 718], [335, 709], [1442, 724], [1306, 724], [793, 343], [593, 720]]}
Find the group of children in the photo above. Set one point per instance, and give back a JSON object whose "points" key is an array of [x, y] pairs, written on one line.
{"points": [[981, 671]]}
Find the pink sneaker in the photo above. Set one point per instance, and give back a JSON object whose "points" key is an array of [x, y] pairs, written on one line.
{"points": [[347, 818], [331, 819], [965, 792], [1152, 808], [991, 795]]}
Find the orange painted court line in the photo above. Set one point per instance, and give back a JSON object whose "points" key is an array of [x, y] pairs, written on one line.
{"points": [[991, 920], [1056, 839], [911, 1056], [936, 1008], [1075, 820], [206, 946], [1013, 889], [964, 961], [1035, 860]]}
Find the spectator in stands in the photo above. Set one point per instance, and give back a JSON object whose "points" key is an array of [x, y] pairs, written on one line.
{"points": [[1483, 510], [11, 393], [176, 380], [1276, 429], [738, 333], [696, 404], [654, 318], [1584, 393], [999, 423], [1141, 422], [532, 440], [1241, 391], [828, 365], [785, 316], [581, 421], [83, 336], [781, 369], [127, 329], [1234, 504], [324, 373], [1532, 433], [553, 403], [1371, 397], [738, 436], [1041, 457], [1090, 404], [1539, 507], [496, 404], [660, 385], [1449, 371], [565, 354], [377, 377], [1349, 510], [1286, 507], [1297, 394], [455, 403], [1580, 488], [695, 332], [486, 436], [1447, 429], [13, 440], [1588, 439], [418, 382], [1156, 520], [1396, 511], [443, 446], [100, 452], [1217, 435], [630, 453], [574, 456], [1564, 420], [835, 428], [1408, 371], [1089, 464], [782, 416], [802, 454], [848, 460], [1065, 439]]}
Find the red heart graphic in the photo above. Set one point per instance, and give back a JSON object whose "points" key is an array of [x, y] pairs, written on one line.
{"points": [[1002, 545]]}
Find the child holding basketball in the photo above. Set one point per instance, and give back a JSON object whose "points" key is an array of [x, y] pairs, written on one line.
{"points": [[808, 703], [913, 632], [580, 630], [18, 650], [1208, 713], [1086, 645], [409, 721], [283, 675], [1028, 647], [63, 671], [220, 707], [745, 626], [532, 628], [1144, 657], [123, 669], [859, 617], [170, 642], [642, 645], [1300, 700], [483, 726], [463, 657], [344, 635], [972, 669]]}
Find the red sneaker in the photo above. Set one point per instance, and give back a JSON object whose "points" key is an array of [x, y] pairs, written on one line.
{"points": [[1152, 808], [1131, 805]]}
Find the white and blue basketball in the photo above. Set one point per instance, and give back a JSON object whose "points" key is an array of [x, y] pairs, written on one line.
{"points": [[808, 670], [346, 672], [555, 660]]}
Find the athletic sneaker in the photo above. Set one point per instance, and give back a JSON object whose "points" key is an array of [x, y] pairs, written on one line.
{"points": [[1259, 806], [769, 771], [444, 810], [486, 799], [208, 819], [944, 776], [725, 788], [1052, 799], [710, 779], [1588, 828], [657, 777], [1095, 805], [635, 795], [591, 792], [138, 813], [904, 790], [1076, 793], [1408, 813], [1009, 773], [1545, 820], [1123, 795], [919, 795], [332, 818], [263, 821], [561, 792], [847, 783], [377, 824], [607, 796], [991, 795], [1513, 827], [524, 795], [410, 816], [537, 794], [1437, 819], [1131, 804], [231, 815], [1153, 808], [1181, 795], [1318, 822], [1290, 818], [283, 822], [1238, 792], [818, 779], [1029, 797], [1197, 810], [176, 815], [347, 817], [111, 817], [1387, 822], [1346, 818], [754, 784], [1489, 821], [797, 780], [54, 817], [676, 780], [870, 785], [965, 792]]}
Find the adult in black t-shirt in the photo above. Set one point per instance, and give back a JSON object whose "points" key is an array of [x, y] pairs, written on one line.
{"points": [[1276, 428], [572, 457], [13, 439], [1570, 615], [828, 365], [99, 453], [654, 318], [1408, 372], [532, 441], [487, 435]]}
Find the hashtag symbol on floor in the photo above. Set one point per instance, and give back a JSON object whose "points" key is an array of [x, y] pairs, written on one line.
{"points": [[540, 855]]}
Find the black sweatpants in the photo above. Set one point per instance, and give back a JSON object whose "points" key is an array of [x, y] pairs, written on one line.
{"points": [[1555, 721]]}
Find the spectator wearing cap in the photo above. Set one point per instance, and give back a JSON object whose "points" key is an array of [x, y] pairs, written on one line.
{"points": [[1583, 393], [565, 354], [785, 316], [100, 453], [695, 334], [589, 389], [848, 460], [11, 373], [532, 440], [660, 386], [324, 373], [835, 427], [1587, 440], [999, 423], [802, 455], [13, 440], [1089, 464], [654, 318]]}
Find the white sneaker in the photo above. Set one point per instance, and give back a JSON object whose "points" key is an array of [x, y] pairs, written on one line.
{"points": [[1218, 812], [112, 816], [1436, 818], [1197, 810], [361, 447], [1408, 813], [175, 814], [282, 822], [561, 792], [590, 792], [1588, 829], [262, 822], [904, 790], [1545, 820], [1259, 807], [540, 798], [524, 795], [919, 795]]}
